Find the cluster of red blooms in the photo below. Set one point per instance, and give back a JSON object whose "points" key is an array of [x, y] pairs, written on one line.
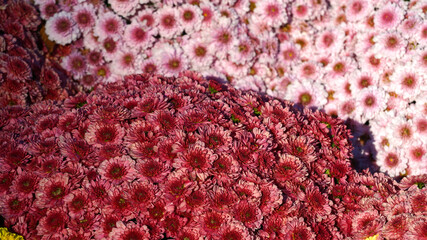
{"points": [[189, 158], [27, 72]]}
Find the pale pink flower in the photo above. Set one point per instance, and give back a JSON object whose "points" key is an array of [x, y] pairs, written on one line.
{"points": [[199, 51], [272, 12], [307, 93], [388, 16], [169, 26], [109, 25], [147, 18], [190, 17], [76, 64], [138, 36], [301, 10], [389, 45], [421, 34], [170, 59], [289, 52], [408, 82], [84, 16], [48, 8], [392, 162], [357, 10], [124, 63], [124, 8], [330, 41], [61, 28], [369, 102], [360, 80], [222, 38]]}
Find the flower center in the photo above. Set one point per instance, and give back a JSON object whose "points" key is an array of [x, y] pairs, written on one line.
{"points": [[370, 100], [168, 21], [63, 25], [188, 15], [391, 160], [200, 51], [174, 63], [305, 99]]}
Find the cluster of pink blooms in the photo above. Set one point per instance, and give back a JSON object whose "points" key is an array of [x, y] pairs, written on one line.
{"points": [[153, 157], [27, 74], [360, 60]]}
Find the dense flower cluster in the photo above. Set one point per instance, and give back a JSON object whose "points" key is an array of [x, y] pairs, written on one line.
{"points": [[27, 73], [356, 59], [151, 157]]}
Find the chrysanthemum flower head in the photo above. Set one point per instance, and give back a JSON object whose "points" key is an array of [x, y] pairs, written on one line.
{"points": [[109, 25], [61, 28], [118, 169], [388, 16]]}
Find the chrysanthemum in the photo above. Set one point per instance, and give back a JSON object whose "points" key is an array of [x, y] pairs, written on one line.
{"points": [[396, 227], [124, 63], [272, 12], [124, 8], [51, 191], [418, 228], [13, 205], [25, 183], [169, 26], [407, 82], [109, 25], [369, 102], [197, 158], [209, 13], [309, 70], [222, 39], [84, 16], [61, 28], [77, 202], [409, 25], [340, 68], [370, 62], [390, 45], [307, 93], [100, 134], [129, 231], [234, 230], [118, 169], [403, 130], [367, 223], [52, 223], [153, 169], [289, 168], [392, 162], [388, 17], [76, 64], [190, 17], [296, 229], [289, 53], [301, 10], [170, 59], [110, 48], [17, 69], [150, 66], [146, 17], [242, 52], [421, 34], [330, 41], [138, 36], [358, 9], [199, 52], [271, 198], [48, 9], [360, 80], [212, 221]]}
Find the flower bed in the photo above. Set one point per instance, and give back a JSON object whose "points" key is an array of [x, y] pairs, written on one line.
{"points": [[360, 60], [152, 157]]}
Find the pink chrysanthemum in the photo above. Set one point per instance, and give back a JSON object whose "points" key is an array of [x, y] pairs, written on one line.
{"points": [[288, 52], [369, 102], [234, 230], [357, 10], [212, 221], [124, 63], [367, 224], [61, 28], [77, 202], [330, 41], [138, 36], [76, 64], [84, 16], [397, 227], [222, 38], [307, 93], [388, 17], [407, 82], [48, 8], [52, 223], [100, 134], [169, 26], [296, 229], [198, 51], [25, 184], [272, 12], [418, 228], [109, 25], [118, 169], [17, 69], [389, 45], [249, 214], [316, 202], [170, 58], [197, 159], [52, 190], [13, 205], [124, 8], [302, 10], [110, 48], [392, 162], [190, 17], [421, 34], [153, 169], [361, 80], [129, 231], [289, 168]]}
